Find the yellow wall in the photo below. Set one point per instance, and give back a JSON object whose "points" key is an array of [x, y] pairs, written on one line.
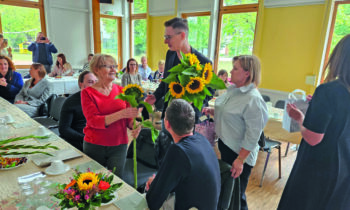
{"points": [[289, 46]]}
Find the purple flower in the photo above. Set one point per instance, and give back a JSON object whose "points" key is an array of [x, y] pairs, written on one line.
{"points": [[87, 197], [77, 197]]}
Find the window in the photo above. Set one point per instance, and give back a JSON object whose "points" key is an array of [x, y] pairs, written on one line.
{"points": [[199, 25], [138, 29], [111, 37], [237, 31], [20, 25], [340, 27]]}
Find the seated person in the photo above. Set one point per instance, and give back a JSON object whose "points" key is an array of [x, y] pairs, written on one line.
{"points": [[159, 73], [62, 68], [144, 70], [72, 120], [190, 167], [131, 75], [222, 74], [11, 82], [35, 91], [5, 50], [86, 66]]}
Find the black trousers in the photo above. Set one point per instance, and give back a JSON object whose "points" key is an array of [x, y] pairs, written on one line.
{"points": [[229, 156]]}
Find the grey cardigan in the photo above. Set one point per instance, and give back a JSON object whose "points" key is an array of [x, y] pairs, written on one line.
{"points": [[131, 79], [36, 95]]}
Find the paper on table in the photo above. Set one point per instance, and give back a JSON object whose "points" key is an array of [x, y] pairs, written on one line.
{"points": [[133, 201], [64, 154], [92, 165]]}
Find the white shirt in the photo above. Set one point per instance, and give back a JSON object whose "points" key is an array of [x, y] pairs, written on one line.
{"points": [[144, 72], [240, 116]]}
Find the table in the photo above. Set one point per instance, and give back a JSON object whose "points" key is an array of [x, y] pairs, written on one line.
{"points": [[64, 85], [23, 126]]}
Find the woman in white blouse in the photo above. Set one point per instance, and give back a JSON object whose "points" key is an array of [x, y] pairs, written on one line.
{"points": [[62, 67], [240, 116]]}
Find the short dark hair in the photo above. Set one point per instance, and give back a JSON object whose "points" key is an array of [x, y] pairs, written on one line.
{"points": [[177, 23], [181, 116], [90, 54], [82, 76]]}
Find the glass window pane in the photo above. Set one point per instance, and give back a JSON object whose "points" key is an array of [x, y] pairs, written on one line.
{"points": [[109, 37], [236, 37], [199, 33], [139, 6], [239, 2], [139, 38], [20, 26], [342, 24]]}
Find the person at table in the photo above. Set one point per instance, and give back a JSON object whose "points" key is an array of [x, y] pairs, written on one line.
{"points": [[107, 119], [86, 66], [160, 72], [190, 167], [42, 50], [320, 175], [5, 50], [35, 91], [240, 117], [222, 74], [11, 82], [62, 67], [144, 70], [131, 75], [72, 120]]}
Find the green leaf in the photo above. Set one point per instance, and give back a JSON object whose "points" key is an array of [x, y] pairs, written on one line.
{"points": [[176, 69], [155, 134], [184, 80], [216, 83], [170, 78], [198, 103], [206, 91], [148, 106], [167, 95], [147, 124], [190, 71]]}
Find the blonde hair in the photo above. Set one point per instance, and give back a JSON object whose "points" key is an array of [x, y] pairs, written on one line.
{"points": [[41, 68], [98, 60], [161, 62], [251, 63]]}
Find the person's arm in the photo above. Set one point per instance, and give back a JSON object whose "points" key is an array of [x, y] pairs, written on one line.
{"points": [[54, 72], [20, 95], [16, 84], [32, 46], [174, 168], [44, 95], [52, 48], [69, 69]]}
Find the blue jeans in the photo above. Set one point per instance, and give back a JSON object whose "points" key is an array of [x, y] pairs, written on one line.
{"points": [[109, 156]]}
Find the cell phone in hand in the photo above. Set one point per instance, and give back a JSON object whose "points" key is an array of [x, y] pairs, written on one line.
{"points": [[43, 38]]}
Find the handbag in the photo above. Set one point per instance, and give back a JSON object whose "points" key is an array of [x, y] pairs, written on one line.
{"points": [[298, 98], [207, 129]]}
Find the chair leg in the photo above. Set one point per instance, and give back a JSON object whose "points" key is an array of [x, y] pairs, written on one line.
{"points": [[263, 174], [279, 162], [285, 155]]}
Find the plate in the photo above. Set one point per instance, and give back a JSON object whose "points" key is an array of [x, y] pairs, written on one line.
{"points": [[112, 201], [22, 162], [50, 172]]}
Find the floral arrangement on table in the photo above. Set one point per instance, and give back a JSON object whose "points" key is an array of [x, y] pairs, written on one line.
{"points": [[190, 80], [87, 190], [133, 94], [9, 149]]}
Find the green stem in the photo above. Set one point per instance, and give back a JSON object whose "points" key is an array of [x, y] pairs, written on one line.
{"points": [[135, 161]]}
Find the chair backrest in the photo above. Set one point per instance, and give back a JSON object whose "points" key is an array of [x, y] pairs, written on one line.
{"points": [[44, 108], [280, 104], [266, 98], [56, 106]]}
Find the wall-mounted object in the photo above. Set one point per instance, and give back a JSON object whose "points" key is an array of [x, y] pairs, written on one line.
{"points": [[106, 1]]}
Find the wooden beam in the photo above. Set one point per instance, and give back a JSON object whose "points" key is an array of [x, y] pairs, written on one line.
{"points": [[120, 51], [195, 14], [96, 25]]}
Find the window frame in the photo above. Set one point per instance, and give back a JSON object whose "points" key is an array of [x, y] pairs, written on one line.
{"points": [[137, 16], [30, 4], [233, 9]]}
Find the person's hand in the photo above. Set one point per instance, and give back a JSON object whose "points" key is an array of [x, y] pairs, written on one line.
{"points": [[47, 41], [237, 168], [208, 110], [3, 82], [149, 182], [129, 112], [151, 99], [295, 113], [135, 132], [309, 97]]}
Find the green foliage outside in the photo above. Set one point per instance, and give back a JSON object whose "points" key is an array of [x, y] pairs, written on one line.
{"points": [[199, 33], [109, 36], [140, 37], [139, 6], [342, 24], [238, 2]]}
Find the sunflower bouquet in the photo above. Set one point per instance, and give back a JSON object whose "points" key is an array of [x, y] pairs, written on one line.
{"points": [[190, 81], [87, 190], [133, 94]]}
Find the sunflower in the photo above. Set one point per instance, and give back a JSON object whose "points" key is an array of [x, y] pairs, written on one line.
{"points": [[176, 89], [87, 180], [133, 89], [207, 73], [192, 59], [195, 85]]}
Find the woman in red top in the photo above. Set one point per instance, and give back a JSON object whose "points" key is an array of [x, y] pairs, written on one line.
{"points": [[106, 136]]}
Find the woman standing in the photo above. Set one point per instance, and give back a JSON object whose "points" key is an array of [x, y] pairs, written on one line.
{"points": [[11, 82], [240, 116], [131, 75], [107, 119], [35, 91], [320, 176], [62, 67]]}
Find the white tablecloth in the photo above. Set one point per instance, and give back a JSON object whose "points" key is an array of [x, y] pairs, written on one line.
{"points": [[64, 85]]}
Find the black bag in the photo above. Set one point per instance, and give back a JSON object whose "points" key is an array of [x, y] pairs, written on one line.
{"points": [[262, 141], [163, 143]]}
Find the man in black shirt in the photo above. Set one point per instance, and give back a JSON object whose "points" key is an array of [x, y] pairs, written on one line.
{"points": [[72, 120], [190, 167]]}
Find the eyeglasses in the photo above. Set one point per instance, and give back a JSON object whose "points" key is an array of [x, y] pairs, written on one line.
{"points": [[168, 37], [109, 66], [132, 64]]}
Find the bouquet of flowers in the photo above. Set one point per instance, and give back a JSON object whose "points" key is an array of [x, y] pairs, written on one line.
{"points": [[87, 190], [133, 94], [190, 81]]}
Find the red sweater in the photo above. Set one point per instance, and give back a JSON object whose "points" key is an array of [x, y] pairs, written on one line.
{"points": [[95, 107]]}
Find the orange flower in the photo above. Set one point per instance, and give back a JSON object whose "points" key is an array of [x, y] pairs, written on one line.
{"points": [[70, 184]]}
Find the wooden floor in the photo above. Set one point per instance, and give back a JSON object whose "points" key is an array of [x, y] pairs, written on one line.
{"points": [[268, 196]]}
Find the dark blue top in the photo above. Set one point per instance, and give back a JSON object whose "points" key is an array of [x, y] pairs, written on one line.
{"points": [[191, 170], [50, 48], [14, 85], [320, 178]]}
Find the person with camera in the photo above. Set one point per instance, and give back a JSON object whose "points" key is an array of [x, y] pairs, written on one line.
{"points": [[42, 50]]}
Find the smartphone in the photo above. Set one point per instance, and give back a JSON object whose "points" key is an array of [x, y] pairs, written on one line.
{"points": [[43, 38]]}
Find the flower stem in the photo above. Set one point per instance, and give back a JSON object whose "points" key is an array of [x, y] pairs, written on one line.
{"points": [[135, 160]]}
